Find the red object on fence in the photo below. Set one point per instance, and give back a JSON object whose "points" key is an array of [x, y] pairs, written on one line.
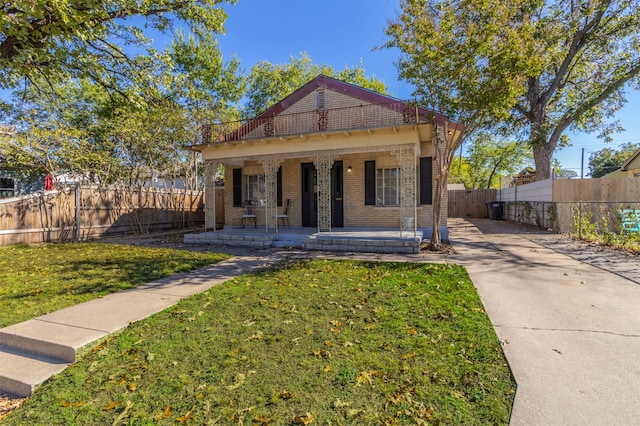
{"points": [[48, 182]]}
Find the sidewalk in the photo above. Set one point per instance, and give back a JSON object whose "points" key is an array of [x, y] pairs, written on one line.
{"points": [[34, 350], [570, 331]]}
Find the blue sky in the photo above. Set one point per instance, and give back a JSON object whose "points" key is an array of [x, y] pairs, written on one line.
{"points": [[344, 32]]}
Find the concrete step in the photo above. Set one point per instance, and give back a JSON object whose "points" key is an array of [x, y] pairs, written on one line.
{"points": [[48, 339], [21, 372]]}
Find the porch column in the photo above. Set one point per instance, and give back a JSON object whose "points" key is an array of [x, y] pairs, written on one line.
{"points": [[210, 168], [270, 165], [323, 166], [407, 159]]}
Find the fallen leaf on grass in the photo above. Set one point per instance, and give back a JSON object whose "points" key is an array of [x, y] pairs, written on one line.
{"points": [[239, 380], [256, 336], [261, 420], [363, 377], [304, 419], [163, 414], [285, 394], [339, 404], [353, 412], [110, 406]]}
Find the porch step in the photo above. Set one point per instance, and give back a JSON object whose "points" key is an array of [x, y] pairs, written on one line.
{"points": [[234, 240], [33, 351], [361, 240], [22, 371], [370, 244]]}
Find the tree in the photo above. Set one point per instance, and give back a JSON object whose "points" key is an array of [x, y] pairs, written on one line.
{"points": [[57, 40], [269, 83], [440, 43], [561, 172], [93, 136], [582, 56], [487, 160], [609, 160]]}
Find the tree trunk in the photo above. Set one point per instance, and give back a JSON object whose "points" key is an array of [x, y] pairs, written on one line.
{"points": [[441, 186], [542, 158]]}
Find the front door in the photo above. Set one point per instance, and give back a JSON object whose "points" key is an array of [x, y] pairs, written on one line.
{"points": [[310, 195], [337, 194]]}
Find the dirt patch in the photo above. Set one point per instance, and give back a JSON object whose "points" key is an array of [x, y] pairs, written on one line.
{"points": [[9, 404]]}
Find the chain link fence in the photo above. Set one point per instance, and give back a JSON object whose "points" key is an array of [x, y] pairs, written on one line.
{"points": [[588, 220]]}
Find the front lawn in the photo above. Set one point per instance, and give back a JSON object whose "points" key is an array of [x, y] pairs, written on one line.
{"points": [[313, 342], [35, 280]]}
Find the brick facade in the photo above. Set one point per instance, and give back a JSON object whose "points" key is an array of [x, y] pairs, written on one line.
{"points": [[371, 127]]}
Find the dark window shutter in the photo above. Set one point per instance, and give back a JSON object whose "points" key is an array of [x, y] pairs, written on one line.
{"points": [[426, 180], [279, 186], [369, 183], [237, 187]]}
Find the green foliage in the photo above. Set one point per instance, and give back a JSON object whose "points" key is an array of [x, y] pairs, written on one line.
{"points": [[561, 172], [609, 160], [603, 226], [328, 342], [487, 161], [38, 280], [582, 56], [269, 83], [201, 82], [457, 56], [131, 136], [62, 39]]}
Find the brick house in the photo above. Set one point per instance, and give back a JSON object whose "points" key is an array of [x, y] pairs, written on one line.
{"points": [[337, 154]]}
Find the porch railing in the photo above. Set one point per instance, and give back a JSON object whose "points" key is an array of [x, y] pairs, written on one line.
{"points": [[369, 116]]}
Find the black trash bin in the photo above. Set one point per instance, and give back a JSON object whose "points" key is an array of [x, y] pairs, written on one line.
{"points": [[495, 210]]}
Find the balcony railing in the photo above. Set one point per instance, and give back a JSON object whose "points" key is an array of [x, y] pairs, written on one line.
{"points": [[368, 116]]}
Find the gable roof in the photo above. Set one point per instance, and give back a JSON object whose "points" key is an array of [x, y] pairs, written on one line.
{"points": [[357, 92], [630, 160]]}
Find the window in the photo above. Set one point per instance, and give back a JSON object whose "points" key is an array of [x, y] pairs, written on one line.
{"points": [[388, 187], [320, 100], [255, 189]]}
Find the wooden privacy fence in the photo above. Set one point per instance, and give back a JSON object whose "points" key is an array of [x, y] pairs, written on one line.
{"points": [[82, 212], [470, 202]]}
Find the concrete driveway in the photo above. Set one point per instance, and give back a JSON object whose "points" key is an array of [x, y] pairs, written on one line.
{"points": [[570, 330]]}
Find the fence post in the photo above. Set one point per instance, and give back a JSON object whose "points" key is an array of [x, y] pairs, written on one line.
{"points": [[77, 211], [580, 220]]}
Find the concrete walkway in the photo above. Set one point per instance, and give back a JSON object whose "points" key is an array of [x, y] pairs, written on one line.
{"points": [[34, 350], [570, 331]]}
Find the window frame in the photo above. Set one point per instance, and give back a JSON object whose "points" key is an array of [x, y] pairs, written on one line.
{"points": [[388, 186]]}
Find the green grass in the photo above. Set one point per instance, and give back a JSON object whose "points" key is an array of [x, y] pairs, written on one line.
{"points": [[314, 342], [35, 280]]}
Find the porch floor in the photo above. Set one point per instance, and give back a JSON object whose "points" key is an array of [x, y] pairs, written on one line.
{"points": [[367, 240]]}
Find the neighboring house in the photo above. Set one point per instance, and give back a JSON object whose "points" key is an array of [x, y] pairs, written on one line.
{"points": [[631, 167], [338, 154]]}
